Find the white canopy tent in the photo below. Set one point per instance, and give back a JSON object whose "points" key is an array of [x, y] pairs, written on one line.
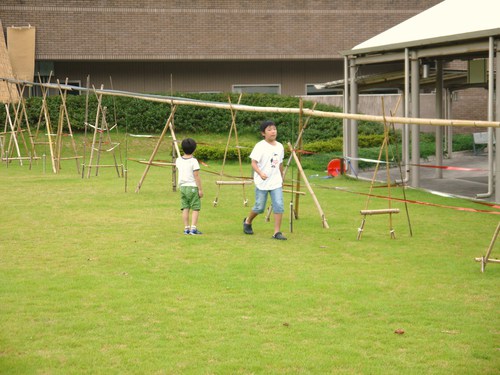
{"points": [[451, 30]]}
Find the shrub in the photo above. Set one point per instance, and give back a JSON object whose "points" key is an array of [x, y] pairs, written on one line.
{"points": [[141, 116]]}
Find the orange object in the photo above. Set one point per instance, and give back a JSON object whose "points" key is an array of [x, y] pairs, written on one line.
{"points": [[334, 167]]}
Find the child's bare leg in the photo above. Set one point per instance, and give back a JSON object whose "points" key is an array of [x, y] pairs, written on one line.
{"points": [[250, 217], [194, 218], [277, 222], [185, 217]]}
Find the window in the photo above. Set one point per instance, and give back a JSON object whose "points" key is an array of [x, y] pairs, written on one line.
{"points": [[380, 91], [312, 90], [73, 83], [261, 89]]}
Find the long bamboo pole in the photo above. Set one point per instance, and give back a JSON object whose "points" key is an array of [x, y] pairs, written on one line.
{"points": [[96, 130], [246, 108], [299, 166]]}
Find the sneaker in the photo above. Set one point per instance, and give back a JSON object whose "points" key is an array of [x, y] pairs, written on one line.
{"points": [[186, 231], [247, 228], [195, 232], [279, 236]]}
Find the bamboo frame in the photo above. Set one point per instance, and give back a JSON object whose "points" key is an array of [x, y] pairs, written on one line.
{"points": [[13, 137], [384, 148], [44, 115], [242, 183], [167, 126], [64, 117], [97, 142], [20, 113], [486, 259]]}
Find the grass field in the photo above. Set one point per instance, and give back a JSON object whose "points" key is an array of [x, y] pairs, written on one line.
{"points": [[94, 280]]}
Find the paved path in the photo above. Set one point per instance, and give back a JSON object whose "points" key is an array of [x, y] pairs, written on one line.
{"points": [[466, 184]]}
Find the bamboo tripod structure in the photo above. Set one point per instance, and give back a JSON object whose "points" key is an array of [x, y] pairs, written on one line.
{"points": [[486, 259], [14, 131], [64, 118], [241, 182], [168, 126], [390, 211], [55, 140], [100, 138]]}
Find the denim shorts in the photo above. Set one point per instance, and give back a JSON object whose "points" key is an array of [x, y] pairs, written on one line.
{"points": [[276, 200]]}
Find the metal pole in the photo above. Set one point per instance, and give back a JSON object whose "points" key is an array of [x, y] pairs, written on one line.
{"points": [[345, 122], [491, 81], [406, 128], [439, 114], [354, 123], [415, 112]]}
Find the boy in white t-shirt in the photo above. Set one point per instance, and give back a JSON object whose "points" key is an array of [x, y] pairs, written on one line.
{"points": [[190, 185], [267, 164]]}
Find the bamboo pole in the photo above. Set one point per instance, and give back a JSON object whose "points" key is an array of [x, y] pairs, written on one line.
{"points": [[168, 125], [243, 183], [96, 128], [13, 134], [59, 133], [63, 96], [299, 166], [221, 173], [19, 116], [49, 134], [486, 258], [380, 212], [246, 108], [298, 145]]}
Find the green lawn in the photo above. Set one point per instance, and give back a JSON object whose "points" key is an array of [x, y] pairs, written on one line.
{"points": [[94, 280]]}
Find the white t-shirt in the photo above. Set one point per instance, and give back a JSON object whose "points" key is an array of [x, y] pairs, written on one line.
{"points": [[268, 157], [186, 167]]}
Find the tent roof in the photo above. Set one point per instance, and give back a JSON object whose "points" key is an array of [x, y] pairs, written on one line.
{"points": [[448, 21]]}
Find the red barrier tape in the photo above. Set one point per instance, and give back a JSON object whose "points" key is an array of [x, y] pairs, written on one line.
{"points": [[449, 167], [465, 209]]}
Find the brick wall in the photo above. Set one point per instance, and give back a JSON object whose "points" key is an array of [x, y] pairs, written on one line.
{"points": [[208, 45], [204, 29]]}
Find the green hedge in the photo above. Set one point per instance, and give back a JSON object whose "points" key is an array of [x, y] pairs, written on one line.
{"points": [[141, 116], [334, 145]]}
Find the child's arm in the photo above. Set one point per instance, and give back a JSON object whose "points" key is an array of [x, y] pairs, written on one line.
{"points": [[197, 179], [257, 170]]}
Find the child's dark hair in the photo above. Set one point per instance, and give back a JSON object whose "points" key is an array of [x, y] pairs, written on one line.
{"points": [[188, 145], [265, 124]]}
